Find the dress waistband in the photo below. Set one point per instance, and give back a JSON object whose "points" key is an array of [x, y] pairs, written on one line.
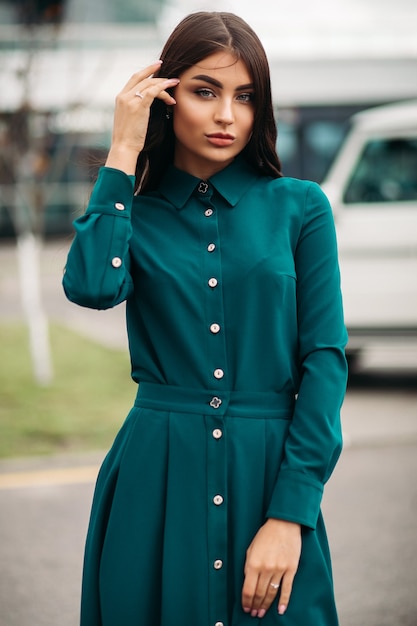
{"points": [[262, 404]]}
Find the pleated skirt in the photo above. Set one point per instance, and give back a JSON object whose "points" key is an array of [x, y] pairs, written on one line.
{"points": [[178, 500]]}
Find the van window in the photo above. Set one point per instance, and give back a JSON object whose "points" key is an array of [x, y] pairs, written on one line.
{"points": [[386, 172]]}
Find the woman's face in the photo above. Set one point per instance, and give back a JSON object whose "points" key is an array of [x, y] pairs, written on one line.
{"points": [[214, 114]]}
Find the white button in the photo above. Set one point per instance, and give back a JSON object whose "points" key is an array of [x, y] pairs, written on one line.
{"points": [[119, 206], [218, 564], [219, 624], [215, 328], [208, 212], [215, 402], [218, 373], [116, 262], [213, 282], [218, 500], [217, 433], [211, 247]]}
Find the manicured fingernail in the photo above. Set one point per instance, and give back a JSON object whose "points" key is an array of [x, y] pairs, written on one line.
{"points": [[281, 609], [261, 612], [246, 609], [254, 613]]}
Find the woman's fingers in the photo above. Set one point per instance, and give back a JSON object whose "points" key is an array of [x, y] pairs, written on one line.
{"points": [[148, 86], [271, 564], [151, 88], [285, 592], [131, 115], [269, 597], [141, 75], [260, 591], [249, 590]]}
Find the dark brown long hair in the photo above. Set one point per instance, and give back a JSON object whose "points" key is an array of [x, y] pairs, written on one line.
{"points": [[196, 37]]}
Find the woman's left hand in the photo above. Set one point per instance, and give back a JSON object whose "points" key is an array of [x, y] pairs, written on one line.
{"points": [[271, 564]]}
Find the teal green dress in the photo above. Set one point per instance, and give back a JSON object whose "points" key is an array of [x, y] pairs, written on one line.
{"points": [[236, 336]]}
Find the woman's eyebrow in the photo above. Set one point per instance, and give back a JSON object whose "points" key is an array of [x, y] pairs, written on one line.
{"points": [[216, 83]]}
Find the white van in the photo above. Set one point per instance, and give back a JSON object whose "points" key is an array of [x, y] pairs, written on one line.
{"points": [[372, 186]]}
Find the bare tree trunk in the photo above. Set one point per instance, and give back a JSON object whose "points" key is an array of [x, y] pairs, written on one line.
{"points": [[28, 253], [29, 207]]}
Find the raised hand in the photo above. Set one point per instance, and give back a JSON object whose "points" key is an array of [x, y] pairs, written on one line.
{"points": [[131, 116]]}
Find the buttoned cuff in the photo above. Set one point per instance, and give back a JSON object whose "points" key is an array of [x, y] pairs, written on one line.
{"points": [[112, 193], [296, 498]]}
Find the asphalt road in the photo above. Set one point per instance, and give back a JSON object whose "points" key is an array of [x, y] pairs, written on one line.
{"points": [[370, 503]]}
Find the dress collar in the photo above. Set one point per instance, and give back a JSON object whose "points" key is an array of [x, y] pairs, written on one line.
{"points": [[231, 183]]}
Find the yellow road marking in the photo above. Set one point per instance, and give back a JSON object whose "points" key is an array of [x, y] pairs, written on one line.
{"points": [[49, 477]]}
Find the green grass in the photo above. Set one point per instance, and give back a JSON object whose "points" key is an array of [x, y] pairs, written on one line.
{"points": [[82, 409]]}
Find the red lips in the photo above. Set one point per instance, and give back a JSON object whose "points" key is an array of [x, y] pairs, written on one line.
{"points": [[221, 136], [221, 140]]}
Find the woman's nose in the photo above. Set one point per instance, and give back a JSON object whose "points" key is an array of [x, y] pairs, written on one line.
{"points": [[224, 112]]}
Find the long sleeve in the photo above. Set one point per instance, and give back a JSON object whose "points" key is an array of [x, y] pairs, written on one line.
{"points": [[314, 441], [97, 270]]}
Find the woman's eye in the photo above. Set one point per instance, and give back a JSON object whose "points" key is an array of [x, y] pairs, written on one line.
{"points": [[205, 93], [245, 97]]}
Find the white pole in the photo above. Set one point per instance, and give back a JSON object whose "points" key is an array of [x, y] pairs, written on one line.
{"points": [[28, 248]]}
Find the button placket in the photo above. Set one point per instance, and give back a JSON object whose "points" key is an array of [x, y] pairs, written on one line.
{"points": [[216, 379], [217, 517], [214, 296]]}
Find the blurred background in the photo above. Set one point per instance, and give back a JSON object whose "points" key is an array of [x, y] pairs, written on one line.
{"points": [[64, 370]]}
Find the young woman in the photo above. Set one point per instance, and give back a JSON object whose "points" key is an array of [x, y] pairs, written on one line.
{"points": [[207, 507]]}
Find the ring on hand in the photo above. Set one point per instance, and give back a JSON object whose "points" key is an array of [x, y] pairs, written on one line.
{"points": [[138, 94], [274, 585]]}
